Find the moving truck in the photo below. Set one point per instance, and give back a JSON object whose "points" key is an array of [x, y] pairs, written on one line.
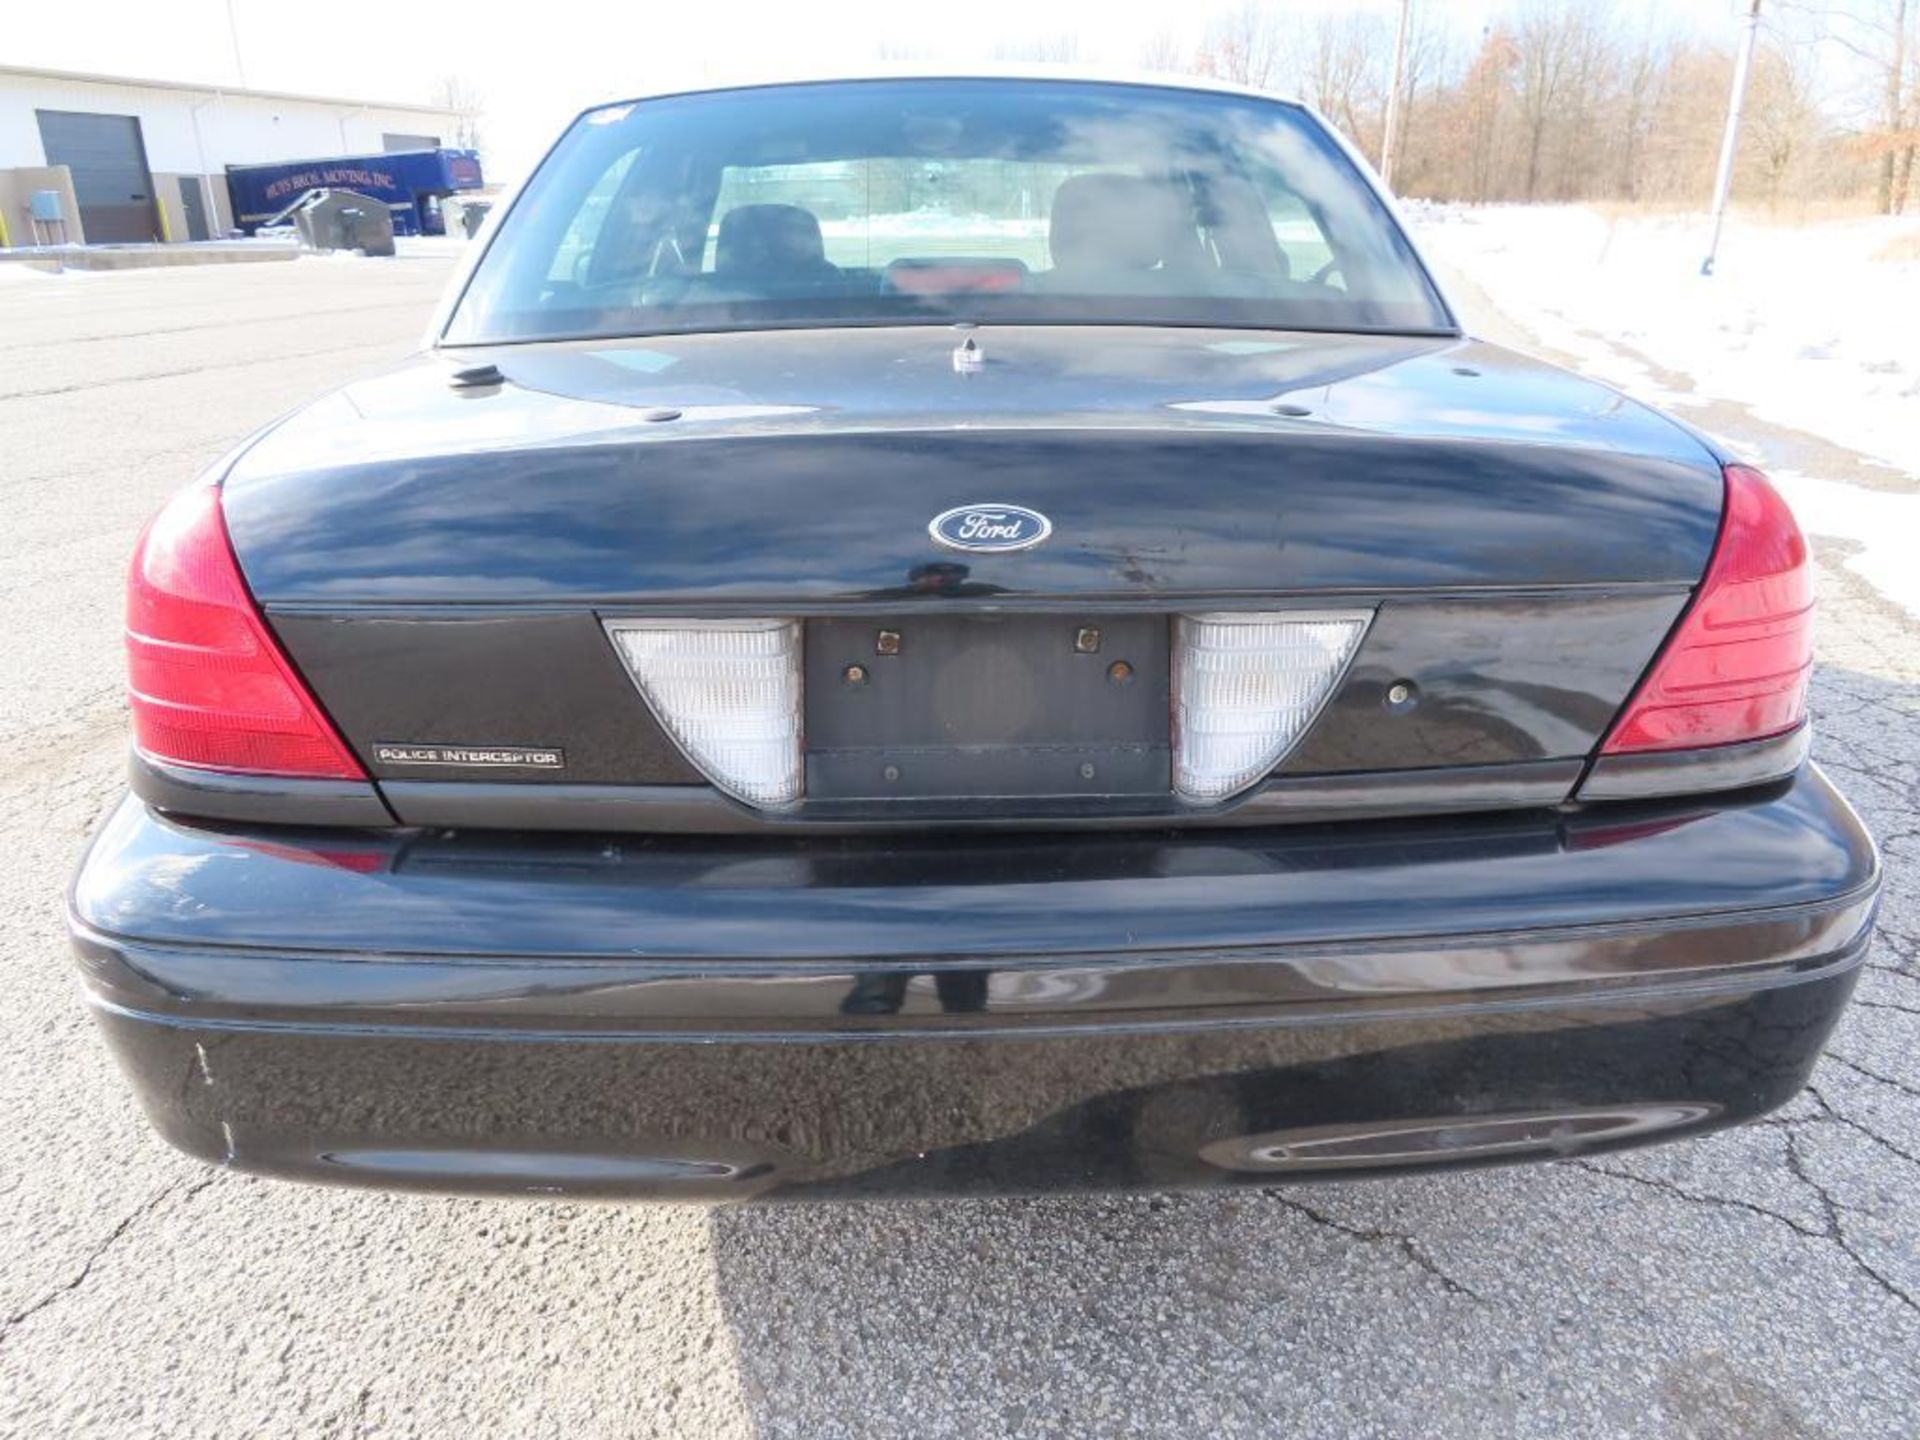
{"points": [[410, 183]]}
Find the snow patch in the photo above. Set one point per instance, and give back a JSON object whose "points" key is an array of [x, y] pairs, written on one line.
{"points": [[1885, 524]]}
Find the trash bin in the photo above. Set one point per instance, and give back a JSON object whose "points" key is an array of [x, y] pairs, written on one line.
{"points": [[344, 220]]}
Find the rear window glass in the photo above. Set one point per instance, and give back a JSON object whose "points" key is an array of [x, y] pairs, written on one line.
{"points": [[896, 201]]}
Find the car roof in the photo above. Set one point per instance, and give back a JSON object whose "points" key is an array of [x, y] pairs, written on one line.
{"points": [[1039, 73]]}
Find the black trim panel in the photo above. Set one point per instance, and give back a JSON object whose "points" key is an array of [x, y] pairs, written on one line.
{"points": [[699, 809], [1491, 680], [273, 799], [1486, 681], [1379, 794], [1698, 772], [494, 679]]}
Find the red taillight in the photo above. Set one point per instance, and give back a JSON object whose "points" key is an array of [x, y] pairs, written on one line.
{"points": [[207, 684], [1737, 667]]}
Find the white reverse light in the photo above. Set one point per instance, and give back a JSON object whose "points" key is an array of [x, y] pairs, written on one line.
{"points": [[728, 691], [1245, 688]]}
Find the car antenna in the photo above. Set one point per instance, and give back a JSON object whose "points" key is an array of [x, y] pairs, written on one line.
{"points": [[967, 355]]}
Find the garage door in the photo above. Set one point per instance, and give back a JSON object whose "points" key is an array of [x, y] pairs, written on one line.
{"points": [[109, 164]]}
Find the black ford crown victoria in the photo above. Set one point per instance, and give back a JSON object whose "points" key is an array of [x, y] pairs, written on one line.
{"points": [[963, 635]]}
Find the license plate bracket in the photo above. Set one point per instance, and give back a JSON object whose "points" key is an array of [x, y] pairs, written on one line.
{"points": [[987, 707]]}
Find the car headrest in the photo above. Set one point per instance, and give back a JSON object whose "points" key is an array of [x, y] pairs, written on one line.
{"points": [[769, 240], [1113, 222]]}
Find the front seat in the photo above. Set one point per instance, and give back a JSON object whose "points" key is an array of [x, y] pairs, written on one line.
{"points": [[1118, 233], [771, 244]]}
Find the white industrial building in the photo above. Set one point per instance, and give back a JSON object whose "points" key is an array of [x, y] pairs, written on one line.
{"points": [[143, 160]]}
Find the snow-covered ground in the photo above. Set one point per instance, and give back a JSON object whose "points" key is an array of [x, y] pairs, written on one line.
{"points": [[1813, 327]]}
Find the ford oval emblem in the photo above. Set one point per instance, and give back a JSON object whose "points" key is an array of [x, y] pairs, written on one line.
{"points": [[990, 527]]}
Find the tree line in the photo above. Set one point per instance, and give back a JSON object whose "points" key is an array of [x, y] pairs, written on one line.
{"points": [[1560, 100]]}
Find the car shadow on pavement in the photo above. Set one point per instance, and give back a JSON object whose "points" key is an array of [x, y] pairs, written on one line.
{"points": [[1642, 1291], [1173, 1314]]}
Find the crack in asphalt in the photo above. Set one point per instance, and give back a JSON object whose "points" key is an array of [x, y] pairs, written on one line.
{"points": [[1697, 1197], [1836, 1229], [1839, 1117], [279, 318], [1866, 1004], [1882, 967], [205, 367], [1854, 1065], [1900, 941], [1832, 1232], [1905, 949], [1407, 1245], [185, 1189]]}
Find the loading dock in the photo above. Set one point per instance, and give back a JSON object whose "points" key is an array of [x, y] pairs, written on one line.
{"points": [[138, 160], [107, 156]]}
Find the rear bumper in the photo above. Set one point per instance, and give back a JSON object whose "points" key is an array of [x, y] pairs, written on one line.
{"points": [[707, 1019]]}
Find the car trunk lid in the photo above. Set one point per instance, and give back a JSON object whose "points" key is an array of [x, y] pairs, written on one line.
{"points": [[813, 477], [444, 562]]}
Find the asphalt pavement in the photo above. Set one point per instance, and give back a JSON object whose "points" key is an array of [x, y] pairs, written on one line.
{"points": [[1755, 1284]]}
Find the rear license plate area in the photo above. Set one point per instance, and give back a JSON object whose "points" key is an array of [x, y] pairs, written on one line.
{"points": [[987, 707]]}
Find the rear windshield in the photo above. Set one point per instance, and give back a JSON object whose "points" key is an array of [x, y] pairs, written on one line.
{"points": [[897, 201]]}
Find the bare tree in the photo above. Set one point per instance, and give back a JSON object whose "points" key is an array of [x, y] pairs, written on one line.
{"points": [[1782, 123], [1484, 100], [1887, 34], [1058, 49], [1883, 38], [1341, 65], [1565, 53], [1641, 69], [1243, 45], [1423, 84], [901, 52], [1428, 50], [1163, 54], [1558, 100], [1680, 150], [451, 92]]}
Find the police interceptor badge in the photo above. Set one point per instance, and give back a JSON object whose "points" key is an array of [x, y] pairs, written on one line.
{"points": [[524, 757]]}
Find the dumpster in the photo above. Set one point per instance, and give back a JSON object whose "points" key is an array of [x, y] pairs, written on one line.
{"points": [[344, 220]]}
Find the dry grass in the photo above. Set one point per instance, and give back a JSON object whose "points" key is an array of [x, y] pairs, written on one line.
{"points": [[1901, 247], [1790, 213]]}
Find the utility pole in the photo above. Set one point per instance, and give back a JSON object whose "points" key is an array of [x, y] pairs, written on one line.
{"points": [[1723, 181], [233, 34], [1390, 144], [200, 159]]}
